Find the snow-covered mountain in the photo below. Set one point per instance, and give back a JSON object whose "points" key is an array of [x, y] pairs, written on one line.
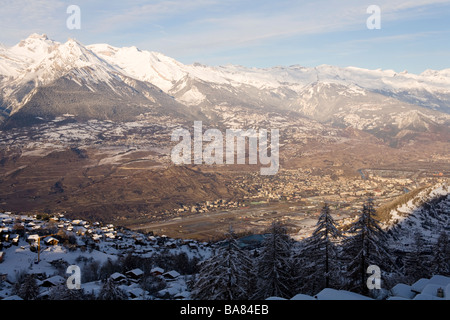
{"points": [[166, 73], [43, 78]]}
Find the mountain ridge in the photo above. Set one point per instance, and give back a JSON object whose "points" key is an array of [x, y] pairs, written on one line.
{"points": [[144, 82]]}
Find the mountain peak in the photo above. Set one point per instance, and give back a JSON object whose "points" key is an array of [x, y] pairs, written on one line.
{"points": [[38, 36], [74, 41]]}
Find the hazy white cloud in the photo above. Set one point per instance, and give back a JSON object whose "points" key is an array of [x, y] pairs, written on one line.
{"points": [[211, 29], [19, 18], [203, 22], [258, 25]]}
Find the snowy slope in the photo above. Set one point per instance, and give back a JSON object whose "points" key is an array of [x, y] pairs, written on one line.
{"points": [[426, 213]]}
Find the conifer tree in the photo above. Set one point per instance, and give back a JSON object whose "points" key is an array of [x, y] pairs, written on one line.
{"points": [[61, 292], [441, 255], [417, 261], [274, 265], [111, 291], [319, 257], [366, 246], [225, 275], [28, 288]]}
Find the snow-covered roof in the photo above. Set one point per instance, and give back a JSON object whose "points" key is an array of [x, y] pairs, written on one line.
{"points": [[48, 239], [301, 296], [136, 272], [441, 280], [402, 290], [171, 274], [432, 289], [423, 296], [117, 276], [397, 298], [136, 292], [333, 294], [34, 237], [423, 289], [275, 298], [13, 297], [157, 270], [53, 281], [419, 285], [92, 287]]}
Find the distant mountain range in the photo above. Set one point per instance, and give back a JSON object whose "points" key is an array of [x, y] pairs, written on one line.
{"points": [[41, 79]]}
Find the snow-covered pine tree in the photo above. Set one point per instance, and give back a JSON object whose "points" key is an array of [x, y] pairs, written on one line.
{"points": [[274, 264], [225, 275], [61, 292], [27, 288], [417, 261], [318, 257], [111, 291], [366, 246], [441, 255]]}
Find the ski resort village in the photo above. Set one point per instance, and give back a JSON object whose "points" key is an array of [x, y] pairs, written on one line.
{"points": [[43, 247]]}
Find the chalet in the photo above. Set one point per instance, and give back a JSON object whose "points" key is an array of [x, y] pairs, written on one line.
{"points": [[15, 239], [171, 244], [118, 277], [171, 275], [81, 231], [136, 293], [32, 238], [33, 226], [77, 222], [96, 237], [50, 241], [53, 281], [157, 271], [110, 236], [135, 274]]}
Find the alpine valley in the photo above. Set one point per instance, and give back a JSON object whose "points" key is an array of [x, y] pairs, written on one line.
{"points": [[86, 130]]}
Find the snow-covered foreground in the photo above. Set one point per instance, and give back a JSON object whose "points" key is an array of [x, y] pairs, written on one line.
{"points": [[435, 288], [145, 267], [84, 245]]}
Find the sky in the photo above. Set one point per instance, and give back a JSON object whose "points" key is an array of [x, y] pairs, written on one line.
{"points": [[413, 35]]}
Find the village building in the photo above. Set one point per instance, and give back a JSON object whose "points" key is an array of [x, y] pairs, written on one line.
{"points": [[135, 275]]}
